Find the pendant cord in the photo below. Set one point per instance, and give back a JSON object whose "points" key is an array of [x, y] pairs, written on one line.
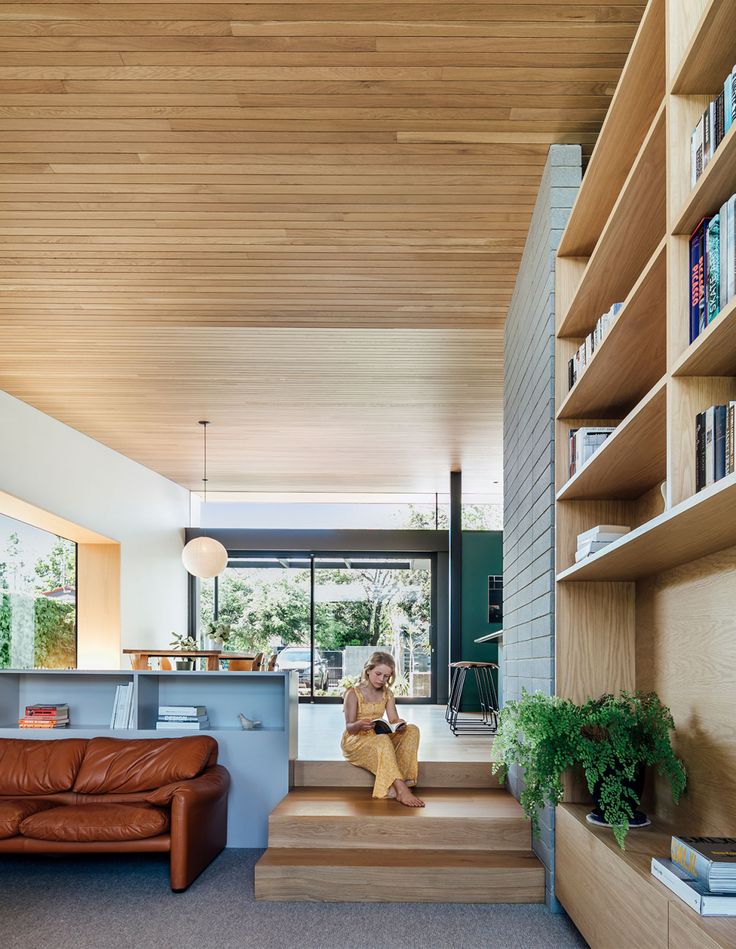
{"points": [[204, 472]]}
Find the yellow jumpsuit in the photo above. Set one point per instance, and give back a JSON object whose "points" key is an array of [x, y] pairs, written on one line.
{"points": [[387, 756]]}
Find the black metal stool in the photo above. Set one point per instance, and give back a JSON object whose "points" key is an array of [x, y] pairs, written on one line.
{"points": [[488, 720]]}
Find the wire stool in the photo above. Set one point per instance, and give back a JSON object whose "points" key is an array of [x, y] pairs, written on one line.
{"points": [[467, 725]]}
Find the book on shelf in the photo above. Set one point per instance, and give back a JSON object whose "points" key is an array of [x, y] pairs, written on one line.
{"points": [[45, 716], [585, 442], [598, 538], [123, 709], [200, 725], [715, 444], [592, 341], [183, 716], [182, 710], [691, 890], [607, 532], [711, 860], [712, 266], [712, 127]]}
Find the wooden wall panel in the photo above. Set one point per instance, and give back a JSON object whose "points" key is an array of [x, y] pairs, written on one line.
{"points": [[686, 652], [353, 166]]}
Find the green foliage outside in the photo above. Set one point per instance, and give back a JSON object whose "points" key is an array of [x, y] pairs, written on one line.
{"points": [[53, 621], [610, 737]]}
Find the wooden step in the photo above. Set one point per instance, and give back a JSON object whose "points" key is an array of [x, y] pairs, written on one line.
{"points": [[432, 774], [399, 876], [477, 819]]}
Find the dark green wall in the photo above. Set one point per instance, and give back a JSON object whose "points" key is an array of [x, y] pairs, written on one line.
{"points": [[482, 557]]}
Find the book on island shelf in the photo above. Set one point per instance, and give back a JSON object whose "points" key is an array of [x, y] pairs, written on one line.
{"points": [[45, 716], [183, 717], [692, 891]]}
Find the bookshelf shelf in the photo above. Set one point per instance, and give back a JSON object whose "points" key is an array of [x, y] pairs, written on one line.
{"points": [[716, 185], [631, 234], [709, 55], [653, 610], [632, 460], [701, 525], [634, 104], [713, 352], [632, 355]]}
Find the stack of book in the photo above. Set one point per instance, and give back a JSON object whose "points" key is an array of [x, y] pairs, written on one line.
{"points": [[584, 442], [714, 444], [590, 542], [592, 341], [702, 872], [123, 708], [45, 716], [183, 716], [712, 266], [712, 128]]}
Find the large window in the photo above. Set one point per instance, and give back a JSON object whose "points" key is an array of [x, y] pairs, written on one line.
{"points": [[38, 598], [324, 615]]}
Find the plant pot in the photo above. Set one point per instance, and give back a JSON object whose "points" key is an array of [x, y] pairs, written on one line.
{"points": [[636, 786], [212, 643], [184, 665]]}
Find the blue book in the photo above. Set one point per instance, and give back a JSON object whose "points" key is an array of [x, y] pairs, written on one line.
{"points": [[727, 103]]}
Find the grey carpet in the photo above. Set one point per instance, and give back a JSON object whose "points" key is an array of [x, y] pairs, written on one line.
{"points": [[114, 902]]}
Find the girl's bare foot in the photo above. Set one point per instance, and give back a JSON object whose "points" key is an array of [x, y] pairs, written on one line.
{"points": [[404, 795]]}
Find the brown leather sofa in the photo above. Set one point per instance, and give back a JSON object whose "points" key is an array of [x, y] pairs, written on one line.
{"points": [[113, 795]]}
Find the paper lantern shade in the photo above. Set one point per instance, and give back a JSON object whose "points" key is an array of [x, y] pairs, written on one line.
{"points": [[204, 557]]}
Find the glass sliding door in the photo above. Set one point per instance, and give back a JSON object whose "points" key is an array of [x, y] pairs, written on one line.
{"points": [[324, 614], [369, 602]]}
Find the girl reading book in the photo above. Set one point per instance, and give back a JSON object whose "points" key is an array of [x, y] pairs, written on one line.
{"points": [[391, 755]]}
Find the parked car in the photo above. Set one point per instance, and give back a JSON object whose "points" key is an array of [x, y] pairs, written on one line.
{"points": [[298, 657]]}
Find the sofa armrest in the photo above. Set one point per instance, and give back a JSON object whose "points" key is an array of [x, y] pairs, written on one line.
{"points": [[210, 783], [198, 823]]}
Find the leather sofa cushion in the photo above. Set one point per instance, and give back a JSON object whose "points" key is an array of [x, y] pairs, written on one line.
{"points": [[88, 822], [39, 766], [13, 812], [115, 765]]}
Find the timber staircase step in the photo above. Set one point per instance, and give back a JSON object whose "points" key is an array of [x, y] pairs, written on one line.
{"points": [[470, 819], [399, 876], [432, 774]]}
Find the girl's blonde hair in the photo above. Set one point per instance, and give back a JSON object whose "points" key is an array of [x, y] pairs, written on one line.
{"points": [[379, 659]]}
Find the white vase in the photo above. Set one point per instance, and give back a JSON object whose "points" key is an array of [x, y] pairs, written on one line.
{"points": [[212, 643]]}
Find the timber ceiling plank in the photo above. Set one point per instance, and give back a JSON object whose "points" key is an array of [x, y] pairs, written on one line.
{"points": [[227, 210]]}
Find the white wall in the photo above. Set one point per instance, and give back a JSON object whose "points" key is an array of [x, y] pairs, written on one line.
{"points": [[62, 471]]}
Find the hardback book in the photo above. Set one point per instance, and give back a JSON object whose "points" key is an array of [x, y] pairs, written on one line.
{"points": [[710, 444], [711, 860], [713, 269], [723, 256], [730, 440], [182, 718], [194, 726], [729, 102], [730, 237], [608, 532], [591, 547], [719, 441], [48, 710], [35, 723], [182, 710], [718, 105], [699, 451], [697, 150], [698, 266], [707, 144], [691, 890], [382, 727]]}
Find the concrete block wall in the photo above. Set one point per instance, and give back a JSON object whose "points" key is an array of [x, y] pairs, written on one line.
{"points": [[528, 449]]}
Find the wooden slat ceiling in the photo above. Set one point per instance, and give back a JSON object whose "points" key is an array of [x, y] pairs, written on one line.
{"points": [[300, 220]]}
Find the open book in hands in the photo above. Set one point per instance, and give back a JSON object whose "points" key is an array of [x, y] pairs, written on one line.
{"points": [[382, 727]]}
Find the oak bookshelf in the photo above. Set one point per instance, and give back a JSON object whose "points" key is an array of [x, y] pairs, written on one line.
{"points": [[655, 609]]}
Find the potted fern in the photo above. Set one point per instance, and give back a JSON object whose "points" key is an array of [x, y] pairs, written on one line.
{"points": [[614, 738]]}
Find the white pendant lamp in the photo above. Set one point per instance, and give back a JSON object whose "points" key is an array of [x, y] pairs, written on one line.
{"points": [[204, 557]]}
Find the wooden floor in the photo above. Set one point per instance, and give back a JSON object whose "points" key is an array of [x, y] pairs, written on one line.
{"points": [[321, 727]]}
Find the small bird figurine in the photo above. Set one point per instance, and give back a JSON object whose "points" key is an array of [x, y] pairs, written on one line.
{"points": [[248, 723]]}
